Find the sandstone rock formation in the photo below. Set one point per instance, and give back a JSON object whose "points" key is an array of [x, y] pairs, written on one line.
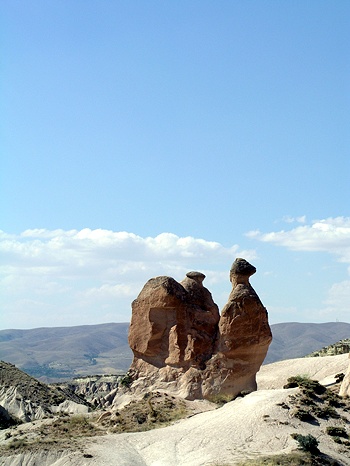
{"points": [[181, 344]]}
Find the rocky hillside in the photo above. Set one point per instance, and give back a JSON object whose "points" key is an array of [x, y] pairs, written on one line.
{"points": [[341, 347], [98, 390], [23, 398], [270, 424]]}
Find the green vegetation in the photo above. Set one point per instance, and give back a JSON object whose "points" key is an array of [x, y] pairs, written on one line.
{"points": [[314, 400], [337, 432], [307, 443], [17, 444], [290, 459], [126, 381], [154, 410], [304, 415], [48, 370], [341, 347], [67, 427], [62, 432], [91, 357], [309, 386], [221, 399]]}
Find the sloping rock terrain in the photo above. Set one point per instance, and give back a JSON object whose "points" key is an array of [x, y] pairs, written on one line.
{"points": [[345, 386], [98, 390], [24, 399], [341, 347], [275, 375], [261, 423]]}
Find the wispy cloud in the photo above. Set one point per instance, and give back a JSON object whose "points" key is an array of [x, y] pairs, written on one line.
{"points": [[330, 235], [82, 275], [289, 219], [337, 303]]}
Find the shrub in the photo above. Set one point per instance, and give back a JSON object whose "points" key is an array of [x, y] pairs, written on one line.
{"points": [[220, 400], [126, 381], [333, 399], [16, 444], [307, 442], [337, 431], [326, 412], [309, 386], [339, 377], [288, 459], [304, 415]]}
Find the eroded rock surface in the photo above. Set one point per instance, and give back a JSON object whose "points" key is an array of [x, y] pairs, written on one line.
{"points": [[345, 385], [181, 344], [24, 399]]}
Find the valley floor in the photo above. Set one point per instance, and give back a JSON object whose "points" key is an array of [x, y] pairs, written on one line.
{"points": [[259, 424]]}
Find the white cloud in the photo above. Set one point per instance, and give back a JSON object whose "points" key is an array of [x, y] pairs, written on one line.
{"points": [[289, 219], [107, 291], [337, 304], [331, 235], [71, 277]]}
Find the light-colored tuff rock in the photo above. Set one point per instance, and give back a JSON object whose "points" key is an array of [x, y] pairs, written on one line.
{"points": [[98, 390], [20, 407], [26, 399], [182, 345], [345, 385], [248, 428]]}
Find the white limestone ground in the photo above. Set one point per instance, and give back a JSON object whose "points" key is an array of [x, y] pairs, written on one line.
{"points": [[244, 428], [323, 369]]}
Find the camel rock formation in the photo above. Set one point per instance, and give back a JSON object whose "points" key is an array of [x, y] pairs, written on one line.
{"points": [[181, 343]]}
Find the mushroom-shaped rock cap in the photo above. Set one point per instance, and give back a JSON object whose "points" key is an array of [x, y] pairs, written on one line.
{"points": [[242, 267], [198, 276]]}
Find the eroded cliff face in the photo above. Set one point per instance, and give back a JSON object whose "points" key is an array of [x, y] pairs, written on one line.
{"points": [[182, 344], [24, 399]]}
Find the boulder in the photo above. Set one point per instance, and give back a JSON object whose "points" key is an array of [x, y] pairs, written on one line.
{"points": [[181, 343]]}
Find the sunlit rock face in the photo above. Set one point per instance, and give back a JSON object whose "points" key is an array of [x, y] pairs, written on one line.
{"points": [[181, 343], [345, 385], [244, 334]]}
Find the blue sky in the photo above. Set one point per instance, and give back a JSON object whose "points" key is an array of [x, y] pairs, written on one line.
{"points": [[144, 138]]}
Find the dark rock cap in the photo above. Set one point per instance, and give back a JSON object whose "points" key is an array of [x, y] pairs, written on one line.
{"points": [[196, 276], [242, 267]]}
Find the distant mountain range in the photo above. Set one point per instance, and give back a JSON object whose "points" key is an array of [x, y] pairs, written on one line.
{"points": [[61, 353], [295, 340]]}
